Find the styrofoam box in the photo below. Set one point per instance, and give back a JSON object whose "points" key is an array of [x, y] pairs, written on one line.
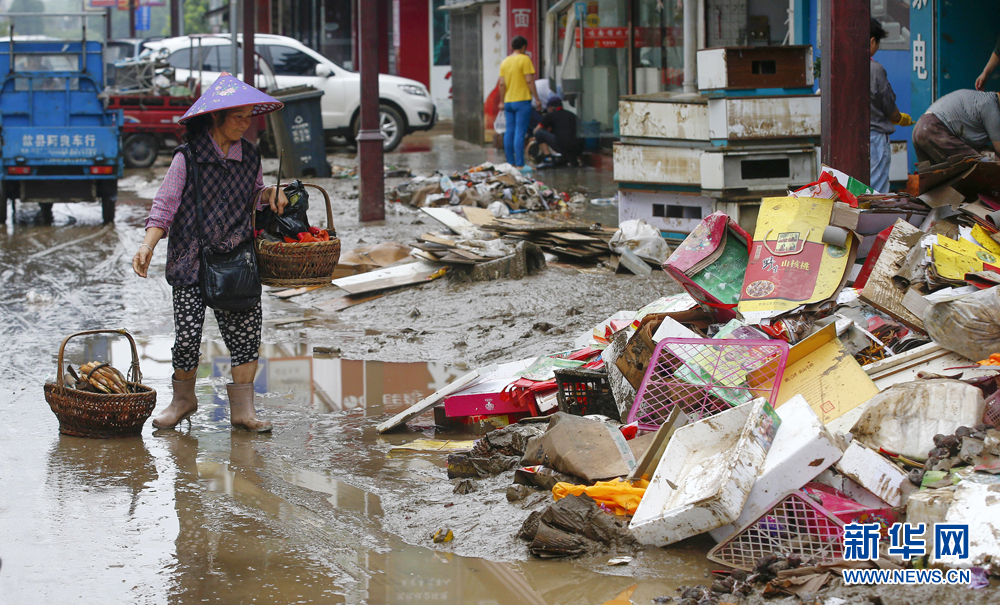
{"points": [[977, 505], [712, 465], [802, 449], [664, 210], [872, 471]]}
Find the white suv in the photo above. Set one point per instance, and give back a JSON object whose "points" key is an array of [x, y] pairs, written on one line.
{"points": [[405, 105]]}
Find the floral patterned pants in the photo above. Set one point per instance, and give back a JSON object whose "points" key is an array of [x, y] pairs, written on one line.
{"points": [[240, 330]]}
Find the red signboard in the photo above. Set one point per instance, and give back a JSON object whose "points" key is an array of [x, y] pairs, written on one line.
{"points": [[102, 3], [522, 20], [617, 37]]}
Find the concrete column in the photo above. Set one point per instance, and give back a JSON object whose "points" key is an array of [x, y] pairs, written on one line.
{"points": [[690, 45], [372, 198]]}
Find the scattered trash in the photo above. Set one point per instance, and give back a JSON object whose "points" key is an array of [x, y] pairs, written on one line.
{"points": [[575, 526], [619, 561], [589, 449], [442, 536], [465, 486]]}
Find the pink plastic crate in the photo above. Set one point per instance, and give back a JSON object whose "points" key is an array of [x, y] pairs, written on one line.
{"points": [[795, 524], [991, 415], [706, 376]]}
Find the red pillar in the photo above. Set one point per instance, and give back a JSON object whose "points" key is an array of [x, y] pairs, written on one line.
{"points": [[372, 198], [249, 65], [844, 83], [175, 18], [131, 18]]}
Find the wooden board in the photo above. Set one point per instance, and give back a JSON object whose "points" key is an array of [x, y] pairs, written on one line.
{"points": [[431, 400], [280, 321], [399, 275], [479, 216], [289, 293], [569, 236], [458, 224], [343, 302], [432, 238], [880, 291]]}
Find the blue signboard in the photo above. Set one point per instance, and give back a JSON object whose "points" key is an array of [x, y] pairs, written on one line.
{"points": [[142, 19]]}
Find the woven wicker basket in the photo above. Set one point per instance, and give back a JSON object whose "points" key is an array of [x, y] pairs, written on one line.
{"points": [[295, 265], [101, 415]]}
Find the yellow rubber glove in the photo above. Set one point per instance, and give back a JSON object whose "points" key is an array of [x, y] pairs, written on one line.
{"points": [[904, 119]]}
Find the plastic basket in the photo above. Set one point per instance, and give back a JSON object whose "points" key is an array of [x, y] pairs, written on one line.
{"points": [[583, 392], [705, 376], [991, 415], [287, 265], [795, 524], [101, 415]]}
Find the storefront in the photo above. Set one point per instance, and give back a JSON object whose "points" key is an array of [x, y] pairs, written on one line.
{"points": [[603, 49]]}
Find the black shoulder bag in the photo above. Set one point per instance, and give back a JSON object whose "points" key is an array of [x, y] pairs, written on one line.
{"points": [[229, 281]]}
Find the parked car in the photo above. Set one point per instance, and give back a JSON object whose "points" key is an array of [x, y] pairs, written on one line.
{"points": [[405, 105]]}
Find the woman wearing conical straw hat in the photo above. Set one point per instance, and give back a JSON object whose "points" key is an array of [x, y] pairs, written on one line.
{"points": [[231, 180]]}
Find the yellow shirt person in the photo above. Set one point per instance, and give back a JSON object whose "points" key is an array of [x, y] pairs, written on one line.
{"points": [[517, 89]]}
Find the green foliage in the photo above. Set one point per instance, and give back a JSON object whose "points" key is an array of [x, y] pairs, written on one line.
{"points": [[194, 17]]}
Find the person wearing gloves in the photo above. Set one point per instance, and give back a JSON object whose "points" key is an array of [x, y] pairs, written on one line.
{"points": [[231, 183], [885, 116]]}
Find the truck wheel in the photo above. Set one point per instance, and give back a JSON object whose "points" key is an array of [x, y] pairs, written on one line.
{"points": [[140, 150], [108, 209], [45, 213]]}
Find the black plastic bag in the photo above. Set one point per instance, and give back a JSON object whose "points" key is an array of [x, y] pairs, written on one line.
{"points": [[295, 219]]}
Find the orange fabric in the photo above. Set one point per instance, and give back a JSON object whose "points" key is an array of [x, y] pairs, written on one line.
{"points": [[621, 497], [994, 360]]}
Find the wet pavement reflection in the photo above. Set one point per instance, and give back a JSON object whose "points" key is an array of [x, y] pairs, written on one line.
{"points": [[203, 514]]}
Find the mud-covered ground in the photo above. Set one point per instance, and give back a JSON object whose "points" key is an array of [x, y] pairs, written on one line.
{"points": [[323, 510]]}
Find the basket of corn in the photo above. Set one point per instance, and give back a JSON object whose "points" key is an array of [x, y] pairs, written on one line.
{"points": [[96, 400]]}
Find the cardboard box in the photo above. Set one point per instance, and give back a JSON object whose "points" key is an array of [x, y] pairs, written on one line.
{"points": [[820, 369]]}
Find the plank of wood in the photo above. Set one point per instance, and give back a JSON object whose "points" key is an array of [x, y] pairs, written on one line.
{"points": [[479, 216], [433, 238], [880, 291], [570, 236], [345, 302], [280, 321], [395, 281], [381, 274], [458, 224], [430, 401], [289, 293]]}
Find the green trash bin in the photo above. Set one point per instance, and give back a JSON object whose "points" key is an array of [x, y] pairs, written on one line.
{"points": [[298, 132]]}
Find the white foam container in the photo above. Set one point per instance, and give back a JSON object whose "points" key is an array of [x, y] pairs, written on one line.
{"points": [[802, 449], [712, 465]]}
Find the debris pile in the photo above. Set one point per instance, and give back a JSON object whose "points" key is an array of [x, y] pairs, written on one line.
{"points": [[824, 386], [479, 186]]}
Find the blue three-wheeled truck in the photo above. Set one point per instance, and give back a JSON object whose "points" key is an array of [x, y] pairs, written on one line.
{"points": [[59, 142]]}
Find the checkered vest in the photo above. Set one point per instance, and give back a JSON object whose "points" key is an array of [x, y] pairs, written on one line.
{"points": [[226, 189]]}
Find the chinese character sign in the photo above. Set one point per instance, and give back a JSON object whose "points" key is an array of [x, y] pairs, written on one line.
{"points": [[861, 541], [522, 20], [920, 57]]}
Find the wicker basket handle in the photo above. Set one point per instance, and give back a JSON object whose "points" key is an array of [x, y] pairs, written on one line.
{"points": [[134, 375], [326, 198]]}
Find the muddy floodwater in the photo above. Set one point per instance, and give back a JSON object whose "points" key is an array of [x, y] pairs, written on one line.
{"points": [[321, 511]]}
